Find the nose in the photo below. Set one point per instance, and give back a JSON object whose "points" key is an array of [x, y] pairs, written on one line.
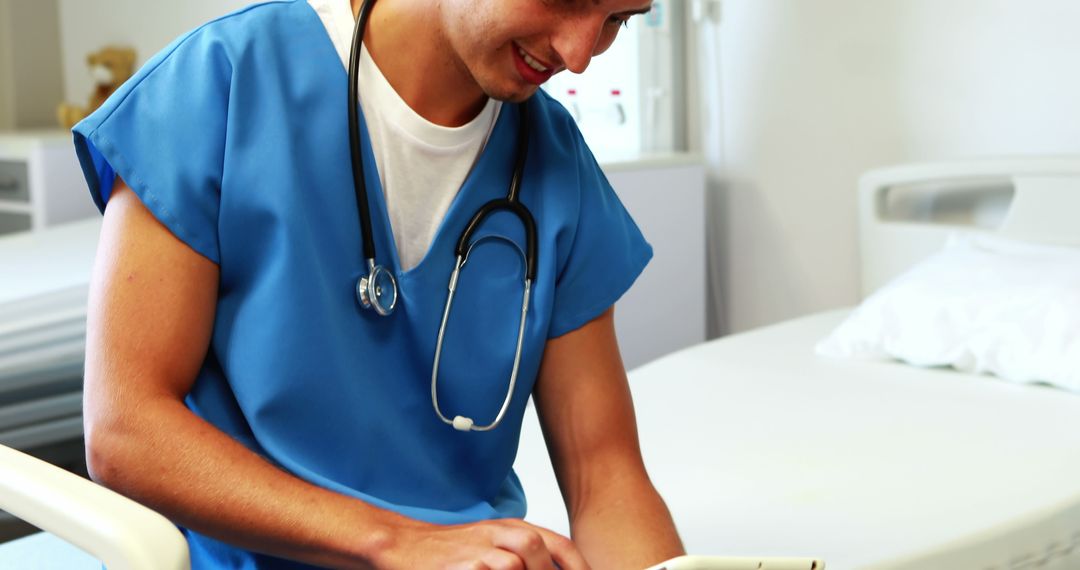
{"points": [[576, 41]]}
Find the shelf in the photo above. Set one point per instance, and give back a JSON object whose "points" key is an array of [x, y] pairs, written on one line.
{"points": [[16, 207]]}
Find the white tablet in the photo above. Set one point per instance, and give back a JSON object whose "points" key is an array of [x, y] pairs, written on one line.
{"points": [[738, 563]]}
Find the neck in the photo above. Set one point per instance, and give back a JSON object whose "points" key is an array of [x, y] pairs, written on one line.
{"points": [[405, 39]]}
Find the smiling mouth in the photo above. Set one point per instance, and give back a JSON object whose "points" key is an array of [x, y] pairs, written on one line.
{"points": [[532, 62]]}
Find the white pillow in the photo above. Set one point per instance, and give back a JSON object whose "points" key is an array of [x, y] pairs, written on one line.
{"points": [[983, 304]]}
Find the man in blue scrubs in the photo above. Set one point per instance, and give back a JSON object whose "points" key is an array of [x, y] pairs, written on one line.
{"points": [[234, 384]]}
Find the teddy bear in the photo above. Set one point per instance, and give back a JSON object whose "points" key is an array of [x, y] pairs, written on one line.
{"points": [[110, 67]]}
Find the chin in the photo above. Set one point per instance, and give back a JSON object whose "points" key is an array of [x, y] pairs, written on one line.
{"points": [[512, 95]]}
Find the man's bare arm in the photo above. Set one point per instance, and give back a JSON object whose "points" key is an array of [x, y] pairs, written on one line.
{"points": [[617, 518], [151, 313]]}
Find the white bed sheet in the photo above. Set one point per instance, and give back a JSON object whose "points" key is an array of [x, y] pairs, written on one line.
{"points": [[56, 259], [44, 279], [761, 447]]}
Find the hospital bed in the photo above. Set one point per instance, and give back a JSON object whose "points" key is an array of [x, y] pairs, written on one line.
{"points": [[762, 447]]}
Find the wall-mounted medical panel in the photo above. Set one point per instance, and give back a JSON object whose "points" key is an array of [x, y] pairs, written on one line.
{"points": [[628, 102]]}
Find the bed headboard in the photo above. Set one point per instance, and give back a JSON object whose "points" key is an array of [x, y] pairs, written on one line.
{"points": [[907, 212]]}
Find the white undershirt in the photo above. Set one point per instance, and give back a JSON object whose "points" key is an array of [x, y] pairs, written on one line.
{"points": [[421, 165]]}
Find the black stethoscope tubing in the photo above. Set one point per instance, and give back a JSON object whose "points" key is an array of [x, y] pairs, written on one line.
{"points": [[359, 185]]}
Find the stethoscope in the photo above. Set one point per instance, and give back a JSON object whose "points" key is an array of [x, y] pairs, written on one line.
{"points": [[378, 289]]}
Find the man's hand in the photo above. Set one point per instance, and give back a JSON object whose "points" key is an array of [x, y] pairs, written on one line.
{"points": [[503, 544]]}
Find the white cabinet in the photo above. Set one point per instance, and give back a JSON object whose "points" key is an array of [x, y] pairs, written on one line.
{"points": [[41, 184], [665, 309]]}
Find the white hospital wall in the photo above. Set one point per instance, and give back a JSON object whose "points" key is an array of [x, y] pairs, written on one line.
{"points": [[813, 93], [30, 80], [146, 25], [7, 111]]}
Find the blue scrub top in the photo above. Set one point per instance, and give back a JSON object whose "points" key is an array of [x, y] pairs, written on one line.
{"points": [[235, 137]]}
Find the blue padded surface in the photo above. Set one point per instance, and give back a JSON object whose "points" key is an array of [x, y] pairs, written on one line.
{"points": [[45, 551]]}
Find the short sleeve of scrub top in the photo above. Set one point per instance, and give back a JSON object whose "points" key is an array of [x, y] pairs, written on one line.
{"points": [[235, 137], [607, 254], [163, 132]]}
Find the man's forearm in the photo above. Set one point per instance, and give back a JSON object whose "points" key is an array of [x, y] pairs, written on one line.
{"points": [[625, 525], [174, 462]]}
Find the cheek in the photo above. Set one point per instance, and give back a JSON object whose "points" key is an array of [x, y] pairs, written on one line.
{"points": [[606, 39]]}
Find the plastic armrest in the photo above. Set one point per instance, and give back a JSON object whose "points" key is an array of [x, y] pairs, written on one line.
{"points": [[121, 533]]}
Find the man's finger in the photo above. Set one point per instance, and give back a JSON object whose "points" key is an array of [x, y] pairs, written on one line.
{"points": [[563, 551], [528, 543], [502, 560]]}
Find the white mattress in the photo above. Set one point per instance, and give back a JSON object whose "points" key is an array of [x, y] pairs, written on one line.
{"points": [[56, 259], [44, 278], [762, 448], [43, 299]]}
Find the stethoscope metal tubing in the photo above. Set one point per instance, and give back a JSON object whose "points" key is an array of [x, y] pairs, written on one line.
{"points": [[463, 423]]}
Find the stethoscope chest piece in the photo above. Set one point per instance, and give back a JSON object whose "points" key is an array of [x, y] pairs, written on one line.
{"points": [[378, 290]]}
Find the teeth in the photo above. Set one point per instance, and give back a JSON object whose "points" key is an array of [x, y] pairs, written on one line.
{"points": [[532, 62]]}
